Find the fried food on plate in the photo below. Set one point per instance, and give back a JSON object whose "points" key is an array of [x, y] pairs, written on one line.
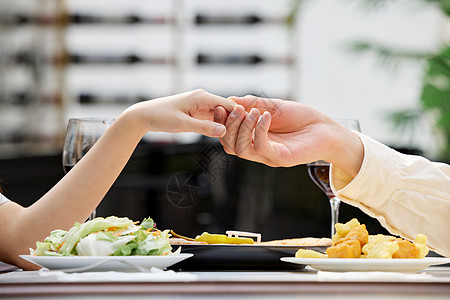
{"points": [[406, 249], [308, 253], [421, 244], [380, 246], [358, 233], [346, 249], [348, 240], [352, 240], [343, 229]]}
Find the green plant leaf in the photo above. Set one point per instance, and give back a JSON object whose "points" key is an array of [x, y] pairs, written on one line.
{"points": [[386, 56], [436, 93], [433, 97], [444, 5]]}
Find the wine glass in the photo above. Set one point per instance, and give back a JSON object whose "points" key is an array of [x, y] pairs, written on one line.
{"points": [[319, 171], [81, 135]]}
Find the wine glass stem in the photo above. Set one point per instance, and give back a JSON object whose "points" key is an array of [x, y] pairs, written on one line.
{"points": [[334, 205]]}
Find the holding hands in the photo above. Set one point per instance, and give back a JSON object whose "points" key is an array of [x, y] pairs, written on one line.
{"points": [[283, 133]]}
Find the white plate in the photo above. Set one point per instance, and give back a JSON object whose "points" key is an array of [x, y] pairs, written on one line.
{"points": [[105, 263], [368, 264]]}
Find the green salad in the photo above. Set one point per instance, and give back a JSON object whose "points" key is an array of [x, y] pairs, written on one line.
{"points": [[106, 236]]}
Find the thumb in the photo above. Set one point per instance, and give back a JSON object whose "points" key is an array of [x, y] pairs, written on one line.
{"points": [[208, 128]]}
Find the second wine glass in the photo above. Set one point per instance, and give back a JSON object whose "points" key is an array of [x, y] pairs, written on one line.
{"points": [[319, 171], [81, 135]]}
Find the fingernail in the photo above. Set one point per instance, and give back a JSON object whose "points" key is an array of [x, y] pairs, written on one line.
{"points": [[236, 111], [264, 117], [219, 130], [218, 113], [254, 113]]}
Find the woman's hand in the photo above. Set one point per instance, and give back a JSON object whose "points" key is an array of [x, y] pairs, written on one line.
{"points": [[78, 193], [287, 134], [186, 112]]}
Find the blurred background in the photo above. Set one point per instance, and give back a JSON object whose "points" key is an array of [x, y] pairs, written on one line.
{"points": [[385, 63]]}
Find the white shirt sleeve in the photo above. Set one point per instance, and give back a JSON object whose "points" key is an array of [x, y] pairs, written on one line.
{"points": [[3, 199], [407, 194]]}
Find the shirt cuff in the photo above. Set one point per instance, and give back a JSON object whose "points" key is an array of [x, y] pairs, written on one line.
{"points": [[375, 181]]}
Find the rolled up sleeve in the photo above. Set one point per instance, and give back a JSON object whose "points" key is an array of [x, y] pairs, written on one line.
{"points": [[407, 194]]}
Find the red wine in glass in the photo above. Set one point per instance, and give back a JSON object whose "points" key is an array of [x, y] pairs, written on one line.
{"points": [[320, 174], [319, 171]]}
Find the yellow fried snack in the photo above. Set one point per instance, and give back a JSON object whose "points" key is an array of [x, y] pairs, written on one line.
{"points": [[380, 246], [421, 245], [346, 249], [358, 233], [406, 249], [343, 229], [352, 240], [308, 253]]}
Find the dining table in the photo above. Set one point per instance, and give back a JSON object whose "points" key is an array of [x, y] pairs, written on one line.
{"points": [[304, 283]]}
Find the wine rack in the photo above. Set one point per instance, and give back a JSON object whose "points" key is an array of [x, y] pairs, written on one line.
{"points": [[71, 58]]}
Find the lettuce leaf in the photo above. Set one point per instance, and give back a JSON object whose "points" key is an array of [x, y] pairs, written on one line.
{"points": [[147, 223], [56, 236], [106, 236], [45, 249], [91, 245], [155, 245], [79, 231]]}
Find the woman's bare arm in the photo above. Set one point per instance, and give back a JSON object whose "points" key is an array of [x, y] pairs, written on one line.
{"points": [[76, 195]]}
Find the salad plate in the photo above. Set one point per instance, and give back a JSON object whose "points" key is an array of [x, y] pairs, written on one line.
{"points": [[106, 244], [105, 263], [368, 264]]}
